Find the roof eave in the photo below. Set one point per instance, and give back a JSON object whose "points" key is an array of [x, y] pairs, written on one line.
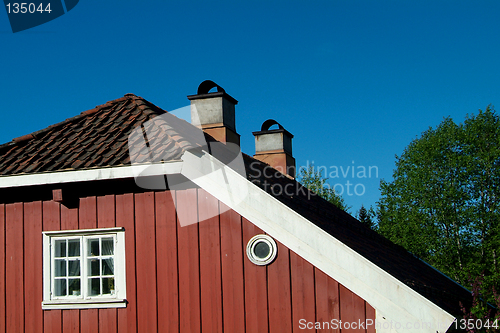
{"points": [[107, 173]]}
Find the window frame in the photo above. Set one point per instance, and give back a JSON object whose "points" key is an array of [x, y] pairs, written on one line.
{"points": [[261, 238], [84, 300]]}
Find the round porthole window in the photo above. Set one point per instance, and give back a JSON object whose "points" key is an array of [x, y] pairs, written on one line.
{"points": [[261, 249]]}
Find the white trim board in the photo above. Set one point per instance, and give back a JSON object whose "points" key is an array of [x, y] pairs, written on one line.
{"points": [[70, 176], [381, 290]]}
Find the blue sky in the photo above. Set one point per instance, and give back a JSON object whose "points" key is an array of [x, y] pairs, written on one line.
{"points": [[355, 81]]}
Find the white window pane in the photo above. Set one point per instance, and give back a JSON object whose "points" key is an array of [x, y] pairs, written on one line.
{"points": [[108, 285], [74, 268], [60, 267], [73, 248], [107, 246], [60, 248], [93, 267], [94, 286], [93, 247], [74, 287], [107, 267], [60, 287]]}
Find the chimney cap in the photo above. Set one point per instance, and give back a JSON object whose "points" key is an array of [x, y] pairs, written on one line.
{"points": [[267, 124], [206, 86]]}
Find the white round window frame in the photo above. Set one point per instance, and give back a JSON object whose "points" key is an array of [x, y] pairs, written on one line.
{"points": [[261, 239]]}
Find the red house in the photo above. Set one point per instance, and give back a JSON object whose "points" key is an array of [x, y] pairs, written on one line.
{"points": [[128, 219]]}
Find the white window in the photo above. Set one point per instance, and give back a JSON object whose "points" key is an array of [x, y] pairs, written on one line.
{"points": [[84, 269]]}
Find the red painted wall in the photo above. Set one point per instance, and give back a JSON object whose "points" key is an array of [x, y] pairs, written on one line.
{"points": [[195, 278]]}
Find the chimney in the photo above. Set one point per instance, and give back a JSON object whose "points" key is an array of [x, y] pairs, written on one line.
{"points": [[274, 147], [214, 112]]}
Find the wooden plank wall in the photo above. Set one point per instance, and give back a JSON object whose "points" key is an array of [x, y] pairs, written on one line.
{"points": [[182, 276]]}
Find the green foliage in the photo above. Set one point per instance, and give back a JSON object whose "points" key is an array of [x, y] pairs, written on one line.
{"points": [[315, 182], [480, 317], [444, 202], [366, 216]]}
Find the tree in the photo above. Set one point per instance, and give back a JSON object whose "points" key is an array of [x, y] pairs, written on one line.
{"points": [[366, 216], [481, 316], [444, 202], [315, 182]]}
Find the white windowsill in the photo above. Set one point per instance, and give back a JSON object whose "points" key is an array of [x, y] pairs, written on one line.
{"points": [[80, 304]]}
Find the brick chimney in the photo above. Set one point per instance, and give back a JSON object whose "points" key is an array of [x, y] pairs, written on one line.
{"points": [[214, 112], [274, 147]]}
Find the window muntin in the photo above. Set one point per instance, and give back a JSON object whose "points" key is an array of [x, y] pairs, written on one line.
{"points": [[83, 268], [100, 266], [66, 267]]}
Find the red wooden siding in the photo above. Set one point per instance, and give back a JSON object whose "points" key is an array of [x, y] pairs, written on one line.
{"points": [[303, 294], [327, 300], [127, 317], [255, 286], [33, 293], [370, 314], [146, 262], [52, 320], [166, 269], [14, 267], [233, 295], [188, 261], [353, 308], [182, 276], [210, 263], [279, 297]]}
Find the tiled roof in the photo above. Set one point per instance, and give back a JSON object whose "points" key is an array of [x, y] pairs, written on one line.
{"points": [[99, 137], [95, 138]]}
